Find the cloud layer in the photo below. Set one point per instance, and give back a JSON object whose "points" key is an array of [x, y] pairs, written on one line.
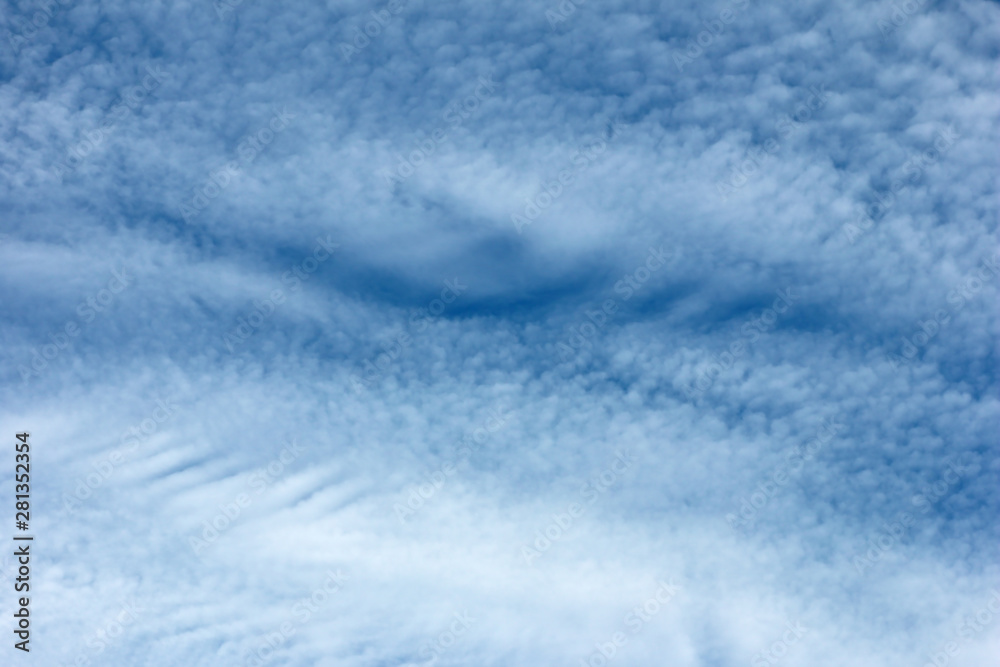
{"points": [[504, 333]]}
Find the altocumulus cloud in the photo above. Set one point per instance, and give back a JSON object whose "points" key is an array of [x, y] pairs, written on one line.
{"points": [[877, 207]]}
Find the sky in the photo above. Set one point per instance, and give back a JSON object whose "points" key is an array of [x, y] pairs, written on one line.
{"points": [[405, 333]]}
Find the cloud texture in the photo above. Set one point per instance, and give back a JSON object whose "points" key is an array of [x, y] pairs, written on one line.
{"points": [[504, 333]]}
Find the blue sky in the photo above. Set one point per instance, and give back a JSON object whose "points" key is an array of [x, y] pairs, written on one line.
{"points": [[410, 333]]}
